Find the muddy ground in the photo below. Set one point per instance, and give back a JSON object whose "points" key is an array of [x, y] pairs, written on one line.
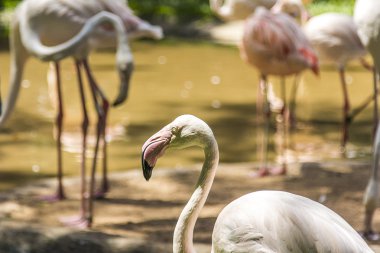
{"points": [[139, 216]]}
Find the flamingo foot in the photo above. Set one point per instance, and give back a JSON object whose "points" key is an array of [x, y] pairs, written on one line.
{"points": [[100, 194], [53, 198], [76, 221], [370, 235], [292, 121], [266, 171]]}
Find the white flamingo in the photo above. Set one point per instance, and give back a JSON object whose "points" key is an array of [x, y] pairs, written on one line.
{"points": [[334, 37], [230, 10], [294, 8], [52, 30], [262, 221], [367, 18]]}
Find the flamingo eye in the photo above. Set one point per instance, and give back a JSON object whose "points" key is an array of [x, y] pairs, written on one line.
{"points": [[175, 130]]}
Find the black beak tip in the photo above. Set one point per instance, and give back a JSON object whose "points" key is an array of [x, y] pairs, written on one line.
{"points": [[147, 170], [117, 102]]}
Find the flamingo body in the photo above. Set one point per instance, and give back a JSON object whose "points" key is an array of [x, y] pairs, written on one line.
{"points": [[276, 45], [276, 221], [335, 38], [238, 9], [259, 222]]}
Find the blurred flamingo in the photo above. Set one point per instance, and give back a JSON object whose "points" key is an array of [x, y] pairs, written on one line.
{"points": [[335, 38], [276, 45], [262, 221], [366, 17], [230, 10], [52, 30], [294, 8]]}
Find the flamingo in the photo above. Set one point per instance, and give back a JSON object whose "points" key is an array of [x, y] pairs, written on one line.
{"points": [[52, 30], [262, 221], [366, 17], [294, 8], [230, 10], [335, 38], [276, 45]]}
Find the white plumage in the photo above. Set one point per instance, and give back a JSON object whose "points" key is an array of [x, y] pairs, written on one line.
{"points": [[335, 38], [259, 222]]}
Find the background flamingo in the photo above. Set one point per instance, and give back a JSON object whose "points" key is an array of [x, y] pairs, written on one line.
{"points": [[230, 10], [52, 30], [294, 8], [274, 44], [367, 16], [334, 37], [263, 221]]}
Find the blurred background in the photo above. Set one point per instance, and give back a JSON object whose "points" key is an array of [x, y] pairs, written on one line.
{"points": [[187, 72]]}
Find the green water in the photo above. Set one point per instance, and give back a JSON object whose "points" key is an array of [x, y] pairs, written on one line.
{"points": [[170, 79]]}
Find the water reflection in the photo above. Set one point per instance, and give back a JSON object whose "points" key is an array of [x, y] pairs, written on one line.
{"points": [[208, 81]]}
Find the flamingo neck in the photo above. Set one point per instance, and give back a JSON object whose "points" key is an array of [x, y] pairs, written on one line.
{"points": [[376, 157], [183, 233], [18, 57]]}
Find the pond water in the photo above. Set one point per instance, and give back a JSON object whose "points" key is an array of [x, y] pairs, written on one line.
{"points": [[173, 78]]}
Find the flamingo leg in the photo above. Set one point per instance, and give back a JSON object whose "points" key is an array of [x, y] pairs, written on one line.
{"points": [[368, 232], [368, 100], [59, 195], [81, 219], [285, 120], [262, 118], [375, 101], [101, 111], [85, 124], [104, 188], [293, 101], [346, 108]]}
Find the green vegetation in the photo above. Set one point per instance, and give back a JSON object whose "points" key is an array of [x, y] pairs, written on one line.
{"points": [[179, 11], [341, 6], [174, 12]]}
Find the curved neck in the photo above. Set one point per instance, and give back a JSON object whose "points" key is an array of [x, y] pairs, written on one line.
{"points": [[183, 232], [216, 5], [31, 38], [18, 57]]}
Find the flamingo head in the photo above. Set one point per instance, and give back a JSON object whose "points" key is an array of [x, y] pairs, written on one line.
{"points": [[125, 74], [312, 60], [184, 131]]}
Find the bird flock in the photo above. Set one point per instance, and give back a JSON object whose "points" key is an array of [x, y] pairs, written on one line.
{"points": [[281, 39]]}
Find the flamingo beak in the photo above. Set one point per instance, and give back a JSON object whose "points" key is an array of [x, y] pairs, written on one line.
{"points": [[1, 105], [125, 78], [153, 149], [315, 69]]}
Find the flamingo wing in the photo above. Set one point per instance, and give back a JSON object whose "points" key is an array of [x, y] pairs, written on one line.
{"points": [[274, 221]]}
